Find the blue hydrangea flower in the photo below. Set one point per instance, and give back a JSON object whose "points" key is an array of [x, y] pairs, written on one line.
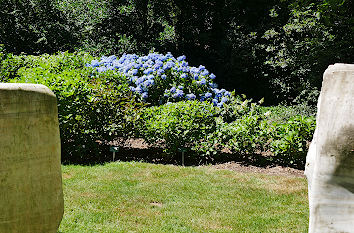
{"points": [[208, 95], [95, 63], [190, 96], [220, 104], [148, 71], [205, 72], [173, 90], [133, 72], [148, 83], [201, 67], [184, 64], [169, 55], [160, 71], [184, 76], [179, 93], [145, 95], [139, 80], [139, 89], [108, 59], [138, 65], [131, 80], [169, 65], [213, 85], [167, 93], [143, 73], [194, 70], [101, 69], [224, 99], [181, 58]]}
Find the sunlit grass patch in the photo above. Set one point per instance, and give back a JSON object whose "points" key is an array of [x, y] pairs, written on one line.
{"points": [[141, 197]]}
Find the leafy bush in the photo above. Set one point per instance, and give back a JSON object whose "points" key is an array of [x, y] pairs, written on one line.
{"points": [[177, 125], [252, 130], [245, 135], [240, 128], [159, 79], [90, 108], [100, 106], [281, 113], [290, 140], [9, 64]]}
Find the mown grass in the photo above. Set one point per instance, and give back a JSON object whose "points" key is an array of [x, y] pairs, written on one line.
{"points": [[141, 197]]}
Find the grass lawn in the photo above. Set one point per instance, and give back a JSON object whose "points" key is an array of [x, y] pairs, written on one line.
{"points": [[141, 197]]}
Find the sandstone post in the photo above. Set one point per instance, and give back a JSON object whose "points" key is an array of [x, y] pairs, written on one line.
{"points": [[31, 196], [330, 160]]}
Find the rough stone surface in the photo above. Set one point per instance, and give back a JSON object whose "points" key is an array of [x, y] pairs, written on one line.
{"points": [[330, 160], [31, 196]]}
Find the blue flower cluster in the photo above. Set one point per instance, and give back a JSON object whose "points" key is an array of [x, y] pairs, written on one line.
{"points": [[159, 78]]}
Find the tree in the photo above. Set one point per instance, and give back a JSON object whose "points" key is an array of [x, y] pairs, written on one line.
{"points": [[34, 27]]}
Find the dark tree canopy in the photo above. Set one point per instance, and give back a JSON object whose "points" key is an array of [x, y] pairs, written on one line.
{"points": [[34, 27], [277, 49]]}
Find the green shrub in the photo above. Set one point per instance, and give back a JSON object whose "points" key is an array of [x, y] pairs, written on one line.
{"points": [[290, 140], [9, 65], [245, 128], [244, 135], [240, 128], [177, 125], [100, 106], [237, 107], [281, 114], [90, 108]]}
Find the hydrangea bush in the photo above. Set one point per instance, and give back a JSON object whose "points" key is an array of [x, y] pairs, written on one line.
{"points": [[160, 79], [182, 124]]}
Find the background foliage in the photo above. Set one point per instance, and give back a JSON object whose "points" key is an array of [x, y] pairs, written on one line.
{"points": [[92, 108], [273, 49], [95, 108]]}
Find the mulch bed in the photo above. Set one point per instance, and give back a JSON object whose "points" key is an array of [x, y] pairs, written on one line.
{"points": [[138, 150]]}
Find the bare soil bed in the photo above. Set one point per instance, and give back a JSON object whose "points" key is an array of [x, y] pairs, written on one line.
{"points": [[139, 150]]}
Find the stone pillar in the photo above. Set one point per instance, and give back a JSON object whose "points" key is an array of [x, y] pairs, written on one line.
{"points": [[31, 196], [330, 160]]}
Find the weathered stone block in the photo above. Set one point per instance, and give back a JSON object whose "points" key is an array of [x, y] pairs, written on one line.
{"points": [[330, 160], [31, 196]]}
